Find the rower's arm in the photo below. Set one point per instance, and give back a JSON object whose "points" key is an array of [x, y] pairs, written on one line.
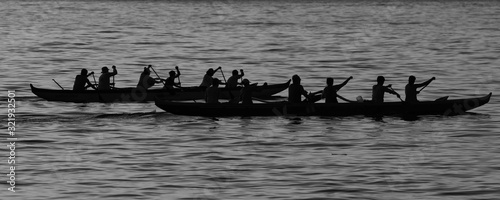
{"points": [[425, 83], [304, 92], [89, 84], [242, 73], [115, 72], [344, 83], [389, 90]]}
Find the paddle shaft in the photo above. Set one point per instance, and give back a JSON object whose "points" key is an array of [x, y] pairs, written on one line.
{"points": [[396, 93], [222, 72], [178, 75], [95, 82], [98, 93], [157, 75], [58, 84], [229, 91], [423, 88], [347, 100]]}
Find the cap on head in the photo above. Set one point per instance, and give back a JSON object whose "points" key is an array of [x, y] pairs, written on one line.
{"points": [[84, 72], [235, 72], [171, 73], [105, 70], [380, 79]]}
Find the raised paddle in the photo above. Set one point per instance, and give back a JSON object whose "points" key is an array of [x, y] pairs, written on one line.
{"points": [[98, 93], [95, 82], [113, 84], [58, 84], [222, 72], [178, 75], [229, 90]]}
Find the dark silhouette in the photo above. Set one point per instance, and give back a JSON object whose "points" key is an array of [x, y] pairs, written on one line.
{"points": [[246, 92], [411, 88], [104, 83], [379, 90], [145, 81], [330, 91], [207, 79], [212, 93], [82, 82], [295, 90], [170, 81], [232, 82]]}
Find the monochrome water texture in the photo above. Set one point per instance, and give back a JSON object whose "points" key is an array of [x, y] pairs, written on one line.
{"points": [[136, 151]]}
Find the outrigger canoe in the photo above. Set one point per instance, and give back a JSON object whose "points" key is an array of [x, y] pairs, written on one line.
{"points": [[141, 95], [438, 107]]}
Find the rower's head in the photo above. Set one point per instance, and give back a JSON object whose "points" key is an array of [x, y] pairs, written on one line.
{"points": [[84, 72], [104, 70], [215, 82], [171, 73], [329, 81], [380, 80], [235, 72], [411, 80], [296, 79], [245, 82], [146, 71], [210, 72]]}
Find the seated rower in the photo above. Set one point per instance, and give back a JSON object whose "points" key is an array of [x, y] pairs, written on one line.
{"points": [[379, 90], [82, 82], [170, 81], [207, 79], [330, 91], [232, 81], [104, 83], [145, 81], [411, 88], [212, 93], [246, 93], [295, 90]]}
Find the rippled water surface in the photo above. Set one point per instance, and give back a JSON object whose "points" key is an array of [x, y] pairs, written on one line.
{"points": [[137, 151]]}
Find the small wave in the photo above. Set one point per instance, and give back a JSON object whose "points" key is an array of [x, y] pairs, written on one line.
{"points": [[126, 115]]}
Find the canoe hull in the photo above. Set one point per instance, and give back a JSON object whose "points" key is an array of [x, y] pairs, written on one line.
{"points": [[448, 107], [140, 95]]}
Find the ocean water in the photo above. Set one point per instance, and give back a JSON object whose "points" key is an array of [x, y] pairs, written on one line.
{"points": [[137, 151]]}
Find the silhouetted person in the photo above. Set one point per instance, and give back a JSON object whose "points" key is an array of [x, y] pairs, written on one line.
{"points": [[295, 90], [212, 93], [330, 91], [411, 88], [379, 90], [232, 81], [82, 82], [207, 79], [246, 92], [104, 83], [145, 81], [170, 81]]}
